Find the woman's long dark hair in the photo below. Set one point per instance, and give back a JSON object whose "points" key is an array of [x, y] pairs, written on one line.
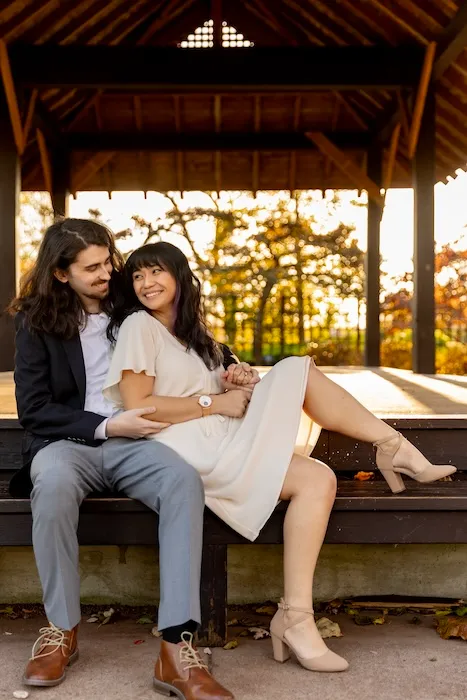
{"points": [[50, 306], [189, 323]]}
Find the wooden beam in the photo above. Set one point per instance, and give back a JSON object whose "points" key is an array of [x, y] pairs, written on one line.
{"points": [[10, 188], [45, 160], [92, 166], [29, 117], [391, 157], [403, 115], [348, 166], [421, 97], [81, 109], [11, 97], [223, 141], [290, 69], [453, 42], [216, 16], [372, 263], [172, 11], [351, 110], [423, 306]]}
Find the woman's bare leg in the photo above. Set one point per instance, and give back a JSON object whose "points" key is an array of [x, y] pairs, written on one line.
{"points": [[333, 408], [310, 486]]}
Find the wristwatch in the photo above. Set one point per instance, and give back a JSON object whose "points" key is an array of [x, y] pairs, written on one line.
{"points": [[205, 402]]}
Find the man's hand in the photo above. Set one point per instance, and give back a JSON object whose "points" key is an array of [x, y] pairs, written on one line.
{"points": [[241, 375], [131, 424]]}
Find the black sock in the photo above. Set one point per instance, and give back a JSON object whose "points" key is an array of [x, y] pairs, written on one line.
{"points": [[174, 634]]}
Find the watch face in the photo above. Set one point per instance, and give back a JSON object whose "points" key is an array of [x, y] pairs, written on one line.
{"points": [[205, 401]]}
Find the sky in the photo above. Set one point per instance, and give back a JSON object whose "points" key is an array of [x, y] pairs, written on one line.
{"points": [[396, 226]]}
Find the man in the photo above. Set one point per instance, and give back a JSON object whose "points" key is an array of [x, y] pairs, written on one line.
{"points": [[75, 444]]}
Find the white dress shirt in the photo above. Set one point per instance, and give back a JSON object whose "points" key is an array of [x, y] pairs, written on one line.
{"points": [[96, 355]]}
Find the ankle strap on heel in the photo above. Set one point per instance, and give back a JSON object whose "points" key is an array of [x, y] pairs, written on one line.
{"points": [[285, 606], [383, 441]]}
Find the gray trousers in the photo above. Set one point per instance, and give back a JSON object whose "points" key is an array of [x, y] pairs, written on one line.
{"points": [[64, 473]]}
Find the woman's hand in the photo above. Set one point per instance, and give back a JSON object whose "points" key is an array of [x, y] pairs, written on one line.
{"points": [[241, 375], [232, 403]]}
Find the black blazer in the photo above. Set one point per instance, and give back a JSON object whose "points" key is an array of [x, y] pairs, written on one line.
{"points": [[50, 386]]}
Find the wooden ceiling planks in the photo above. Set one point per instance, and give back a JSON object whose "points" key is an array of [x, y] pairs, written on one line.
{"points": [[266, 22]]}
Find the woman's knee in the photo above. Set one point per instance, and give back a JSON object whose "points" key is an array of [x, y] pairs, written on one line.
{"points": [[314, 476]]}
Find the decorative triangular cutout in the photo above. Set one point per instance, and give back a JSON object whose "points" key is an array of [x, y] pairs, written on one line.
{"points": [[203, 37]]}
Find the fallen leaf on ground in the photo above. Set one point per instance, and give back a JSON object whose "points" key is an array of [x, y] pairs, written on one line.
{"points": [[267, 610], [445, 478], [327, 628], [8, 633], [208, 651], [155, 632], [461, 612], [231, 645], [233, 622], [364, 476], [145, 620], [443, 613], [363, 620], [452, 627], [259, 632], [139, 641], [20, 694], [93, 619], [415, 620], [379, 620]]}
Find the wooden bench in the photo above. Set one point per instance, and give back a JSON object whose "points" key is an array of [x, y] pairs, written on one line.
{"points": [[364, 512]]}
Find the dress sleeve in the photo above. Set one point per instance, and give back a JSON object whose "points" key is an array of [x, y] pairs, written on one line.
{"points": [[136, 349]]}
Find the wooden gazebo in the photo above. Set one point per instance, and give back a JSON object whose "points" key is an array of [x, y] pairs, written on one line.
{"points": [[241, 94]]}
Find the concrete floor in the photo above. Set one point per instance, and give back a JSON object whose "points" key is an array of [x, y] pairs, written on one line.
{"points": [[395, 661], [385, 391]]}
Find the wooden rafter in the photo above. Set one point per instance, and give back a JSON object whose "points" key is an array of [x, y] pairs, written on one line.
{"points": [[400, 18], [45, 30], [271, 16], [12, 101], [90, 168], [13, 29], [29, 117], [173, 10], [216, 16], [257, 128], [392, 154], [348, 166], [404, 115], [81, 109], [45, 160], [351, 109], [452, 43], [89, 22], [325, 30], [123, 21], [326, 9], [419, 105]]}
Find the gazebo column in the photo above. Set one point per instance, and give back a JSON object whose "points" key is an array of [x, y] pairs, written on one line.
{"points": [[9, 206], [372, 267], [423, 310], [61, 181]]}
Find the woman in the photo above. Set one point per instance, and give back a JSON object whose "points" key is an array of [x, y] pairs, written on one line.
{"points": [[242, 441]]}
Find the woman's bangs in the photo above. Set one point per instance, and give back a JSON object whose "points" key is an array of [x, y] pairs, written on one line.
{"points": [[144, 258]]}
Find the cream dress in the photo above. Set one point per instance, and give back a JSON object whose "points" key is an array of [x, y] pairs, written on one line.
{"points": [[242, 461]]}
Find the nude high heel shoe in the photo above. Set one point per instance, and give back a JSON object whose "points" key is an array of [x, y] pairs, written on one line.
{"points": [[328, 662], [385, 463]]}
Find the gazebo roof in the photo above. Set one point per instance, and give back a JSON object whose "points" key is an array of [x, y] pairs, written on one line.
{"points": [[91, 65]]}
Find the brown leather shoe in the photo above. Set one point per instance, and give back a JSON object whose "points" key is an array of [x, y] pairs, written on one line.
{"points": [[180, 671], [52, 652]]}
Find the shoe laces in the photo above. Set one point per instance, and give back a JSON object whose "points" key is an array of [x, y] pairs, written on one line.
{"points": [[189, 656], [50, 636]]}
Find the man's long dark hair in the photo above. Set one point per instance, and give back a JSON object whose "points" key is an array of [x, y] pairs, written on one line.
{"points": [[189, 323], [49, 306]]}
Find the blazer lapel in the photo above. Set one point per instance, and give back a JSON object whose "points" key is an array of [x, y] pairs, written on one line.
{"points": [[74, 353]]}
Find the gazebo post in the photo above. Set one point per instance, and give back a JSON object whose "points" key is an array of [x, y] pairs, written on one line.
{"points": [[372, 262], [61, 181], [423, 312], [10, 178]]}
